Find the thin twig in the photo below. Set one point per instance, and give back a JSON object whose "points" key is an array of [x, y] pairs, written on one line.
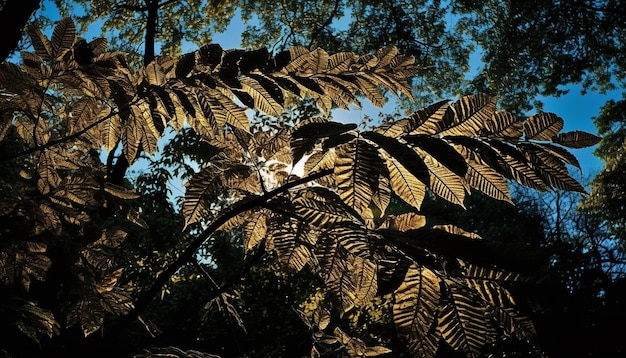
{"points": [[76, 135], [326, 23]]}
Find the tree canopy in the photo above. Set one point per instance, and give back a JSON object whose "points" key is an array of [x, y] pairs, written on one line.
{"points": [[526, 49]]}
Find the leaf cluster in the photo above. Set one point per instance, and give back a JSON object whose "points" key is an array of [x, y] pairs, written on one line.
{"points": [[315, 195]]}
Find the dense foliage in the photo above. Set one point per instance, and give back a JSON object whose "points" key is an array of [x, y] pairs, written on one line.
{"points": [[526, 49], [86, 250]]}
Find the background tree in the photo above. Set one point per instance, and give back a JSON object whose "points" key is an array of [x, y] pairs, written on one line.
{"points": [[154, 26], [559, 43], [607, 191]]}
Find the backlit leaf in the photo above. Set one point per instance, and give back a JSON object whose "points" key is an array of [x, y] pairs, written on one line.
{"points": [[40, 43], [357, 167], [463, 321], [542, 126], [404, 222], [255, 229], [63, 36], [202, 189], [576, 139], [415, 311]]}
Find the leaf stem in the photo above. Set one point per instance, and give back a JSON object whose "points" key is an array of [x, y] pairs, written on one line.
{"points": [[67, 138]]}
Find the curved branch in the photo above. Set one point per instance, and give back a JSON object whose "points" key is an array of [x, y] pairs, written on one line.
{"points": [[188, 255]]}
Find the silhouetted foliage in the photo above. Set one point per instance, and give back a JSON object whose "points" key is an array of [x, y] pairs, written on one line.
{"points": [[309, 198]]}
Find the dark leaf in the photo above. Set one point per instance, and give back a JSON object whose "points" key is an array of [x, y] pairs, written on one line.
{"points": [[576, 139], [441, 151]]}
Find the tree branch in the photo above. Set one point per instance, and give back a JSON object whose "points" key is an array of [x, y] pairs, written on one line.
{"points": [[152, 8], [326, 23], [53, 143], [206, 275], [144, 300], [187, 311], [151, 25]]}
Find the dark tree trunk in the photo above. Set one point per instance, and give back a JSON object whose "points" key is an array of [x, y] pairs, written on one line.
{"points": [[13, 16], [152, 7]]}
